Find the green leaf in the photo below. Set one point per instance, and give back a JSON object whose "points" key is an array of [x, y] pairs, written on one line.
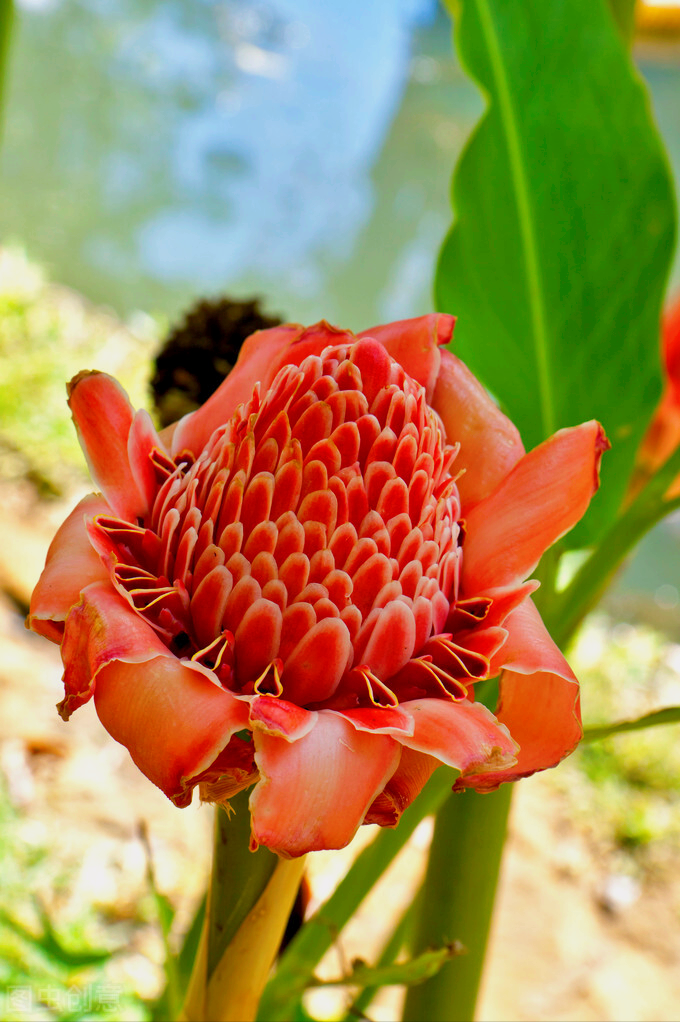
{"points": [[170, 1001], [669, 715], [410, 973], [50, 944], [187, 955], [558, 257], [624, 16], [178, 969]]}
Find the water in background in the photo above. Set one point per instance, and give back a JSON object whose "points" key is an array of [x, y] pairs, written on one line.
{"points": [[159, 150], [156, 150]]}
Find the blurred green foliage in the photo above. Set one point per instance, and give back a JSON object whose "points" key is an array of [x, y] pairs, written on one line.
{"points": [[623, 789], [48, 334], [56, 962]]}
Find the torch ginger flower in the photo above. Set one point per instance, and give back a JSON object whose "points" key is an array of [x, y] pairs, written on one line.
{"points": [[299, 585]]}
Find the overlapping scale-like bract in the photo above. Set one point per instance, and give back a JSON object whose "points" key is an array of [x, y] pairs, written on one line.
{"points": [[298, 587], [314, 544]]}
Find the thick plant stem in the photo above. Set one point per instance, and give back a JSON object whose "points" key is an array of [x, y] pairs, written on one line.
{"points": [[457, 902], [250, 899], [282, 995]]}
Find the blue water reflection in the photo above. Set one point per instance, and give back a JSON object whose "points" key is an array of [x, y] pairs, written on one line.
{"points": [[192, 147], [156, 150]]}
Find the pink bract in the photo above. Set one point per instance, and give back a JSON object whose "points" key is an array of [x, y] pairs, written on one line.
{"points": [[298, 586]]}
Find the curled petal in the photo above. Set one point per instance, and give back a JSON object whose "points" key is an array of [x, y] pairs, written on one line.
{"points": [[539, 700], [314, 792], [490, 444], [408, 780], [464, 735], [172, 719], [104, 418], [171, 714], [100, 628], [281, 718], [71, 565], [543, 712], [528, 647], [380, 720], [544, 495]]}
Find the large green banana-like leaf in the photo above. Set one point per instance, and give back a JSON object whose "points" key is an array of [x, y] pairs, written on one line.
{"points": [[564, 227]]}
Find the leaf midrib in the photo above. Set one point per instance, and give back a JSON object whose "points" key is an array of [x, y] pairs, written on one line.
{"points": [[525, 217]]}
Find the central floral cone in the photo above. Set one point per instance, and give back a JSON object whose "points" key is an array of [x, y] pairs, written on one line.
{"points": [[300, 591]]}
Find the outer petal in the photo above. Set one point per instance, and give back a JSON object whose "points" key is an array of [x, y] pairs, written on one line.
{"points": [[464, 735], [539, 700], [413, 772], [103, 417], [380, 720], [544, 495], [172, 719], [490, 444], [659, 442], [71, 565], [260, 358], [281, 718], [414, 343], [314, 792], [100, 628], [529, 647]]}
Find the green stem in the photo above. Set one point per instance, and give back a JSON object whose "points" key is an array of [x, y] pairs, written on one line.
{"points": [[238, 879], [668, 715], [457, 902], [283, 992], [469, 834], [399, 939], [249, 900]]}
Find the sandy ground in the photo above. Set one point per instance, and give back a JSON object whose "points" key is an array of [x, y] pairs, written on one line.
{"points": [[567, 943]]}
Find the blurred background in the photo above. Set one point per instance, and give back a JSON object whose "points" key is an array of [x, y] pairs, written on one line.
{"points": [[159, 152]]}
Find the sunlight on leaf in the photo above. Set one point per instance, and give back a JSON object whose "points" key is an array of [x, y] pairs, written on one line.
{"points": [[558, 257]]}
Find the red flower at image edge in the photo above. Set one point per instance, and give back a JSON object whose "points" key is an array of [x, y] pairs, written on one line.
{"points": [[663, 435], [298, 586]]}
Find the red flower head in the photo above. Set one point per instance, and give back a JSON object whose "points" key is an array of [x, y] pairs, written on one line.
{"points": [[299, 585], [663, 435]]}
